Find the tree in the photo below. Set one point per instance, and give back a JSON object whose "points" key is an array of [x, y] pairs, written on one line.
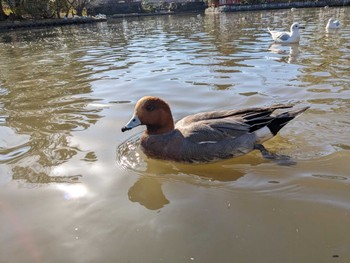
{"points": [[16, 7], [58, 6], [78, 5], [37, 8], [3, 16], [81, 5], [33, 8]]}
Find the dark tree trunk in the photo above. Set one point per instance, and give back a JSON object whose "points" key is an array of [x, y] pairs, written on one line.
{"points": [[79, 11]]}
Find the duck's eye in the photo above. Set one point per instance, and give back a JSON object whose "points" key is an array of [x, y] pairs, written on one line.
{"points": [[150, 107]]}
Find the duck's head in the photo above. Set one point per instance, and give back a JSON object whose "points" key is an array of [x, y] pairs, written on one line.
{"points": [[295, 27], [153, 112]]}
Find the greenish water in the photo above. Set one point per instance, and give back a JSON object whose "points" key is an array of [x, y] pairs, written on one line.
{"points": [[73, 188]]}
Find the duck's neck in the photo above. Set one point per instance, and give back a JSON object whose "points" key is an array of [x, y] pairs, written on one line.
{"points": [[160, 129]]}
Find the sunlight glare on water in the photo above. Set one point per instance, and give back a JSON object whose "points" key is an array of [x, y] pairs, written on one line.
{"points": [[74, 188]]}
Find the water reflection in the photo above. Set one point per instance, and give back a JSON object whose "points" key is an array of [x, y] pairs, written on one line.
{"points": [[73, 191], [17, 225], [147, 191], [46, 99], [289, 52], [332, 31], [38, 174]]}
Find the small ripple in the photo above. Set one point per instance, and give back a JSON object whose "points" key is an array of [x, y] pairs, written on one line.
{"points": [[3, 91], [120, 101], [3, 119], [342, 146], [8, 155], [90, 157], [128, 155], [331, 177]]}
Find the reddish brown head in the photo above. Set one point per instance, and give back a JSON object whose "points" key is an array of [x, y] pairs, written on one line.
{"points": [[154, 113]]}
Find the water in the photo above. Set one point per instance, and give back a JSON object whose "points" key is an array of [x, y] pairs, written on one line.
{"points": [[76, 189]]}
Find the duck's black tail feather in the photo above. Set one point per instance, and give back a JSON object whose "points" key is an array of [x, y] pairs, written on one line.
{"points": [[259, 119], [282, 119]]}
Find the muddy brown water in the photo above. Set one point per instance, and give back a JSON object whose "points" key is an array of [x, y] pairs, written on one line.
{"points": [[73, 188]]}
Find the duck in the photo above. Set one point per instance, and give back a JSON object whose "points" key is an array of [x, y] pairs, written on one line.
{"points": [[206, 136], [287, 37], [333, 24]]}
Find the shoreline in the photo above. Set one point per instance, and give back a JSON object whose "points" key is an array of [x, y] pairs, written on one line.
{"points": [[116, 16], [13, 25], [221, 7], [55, 22]]}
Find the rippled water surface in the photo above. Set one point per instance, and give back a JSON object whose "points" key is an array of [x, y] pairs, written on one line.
{"points": [[73, 188]]}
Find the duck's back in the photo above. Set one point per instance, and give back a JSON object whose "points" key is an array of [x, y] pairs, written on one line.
{"points": [[225, 123], [212, 126]]}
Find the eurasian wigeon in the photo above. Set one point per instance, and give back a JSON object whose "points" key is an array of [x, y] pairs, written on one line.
{"points": [[206, 136]]}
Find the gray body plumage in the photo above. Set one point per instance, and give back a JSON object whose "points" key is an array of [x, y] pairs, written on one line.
{"points": [[210, 136]]}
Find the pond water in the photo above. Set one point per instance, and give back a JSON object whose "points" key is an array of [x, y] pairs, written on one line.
{"points": [[74, 188]]}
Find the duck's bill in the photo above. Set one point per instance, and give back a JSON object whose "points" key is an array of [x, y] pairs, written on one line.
{"points": [[134, 122], [301, 27]]}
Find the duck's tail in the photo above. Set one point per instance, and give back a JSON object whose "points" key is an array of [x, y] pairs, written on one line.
{"points": [[282, 119]]}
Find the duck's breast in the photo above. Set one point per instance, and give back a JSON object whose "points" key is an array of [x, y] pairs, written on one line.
{"points": [[163, 146]]}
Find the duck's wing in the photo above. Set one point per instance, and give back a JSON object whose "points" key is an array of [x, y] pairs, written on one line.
{"points": [[219, 125]]}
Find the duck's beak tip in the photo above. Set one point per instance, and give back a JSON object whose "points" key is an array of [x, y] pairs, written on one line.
{"points": [[125, 129]]}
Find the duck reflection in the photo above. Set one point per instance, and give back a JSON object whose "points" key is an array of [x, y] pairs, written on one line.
{"points": [[148, 192], [292, 50]]}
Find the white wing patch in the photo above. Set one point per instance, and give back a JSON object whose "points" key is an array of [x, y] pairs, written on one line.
{"points": [[207, 142], [263, 134]]}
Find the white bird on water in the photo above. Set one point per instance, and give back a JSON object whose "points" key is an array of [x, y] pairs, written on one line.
{"points": [[287, 37], [332, 24]]}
